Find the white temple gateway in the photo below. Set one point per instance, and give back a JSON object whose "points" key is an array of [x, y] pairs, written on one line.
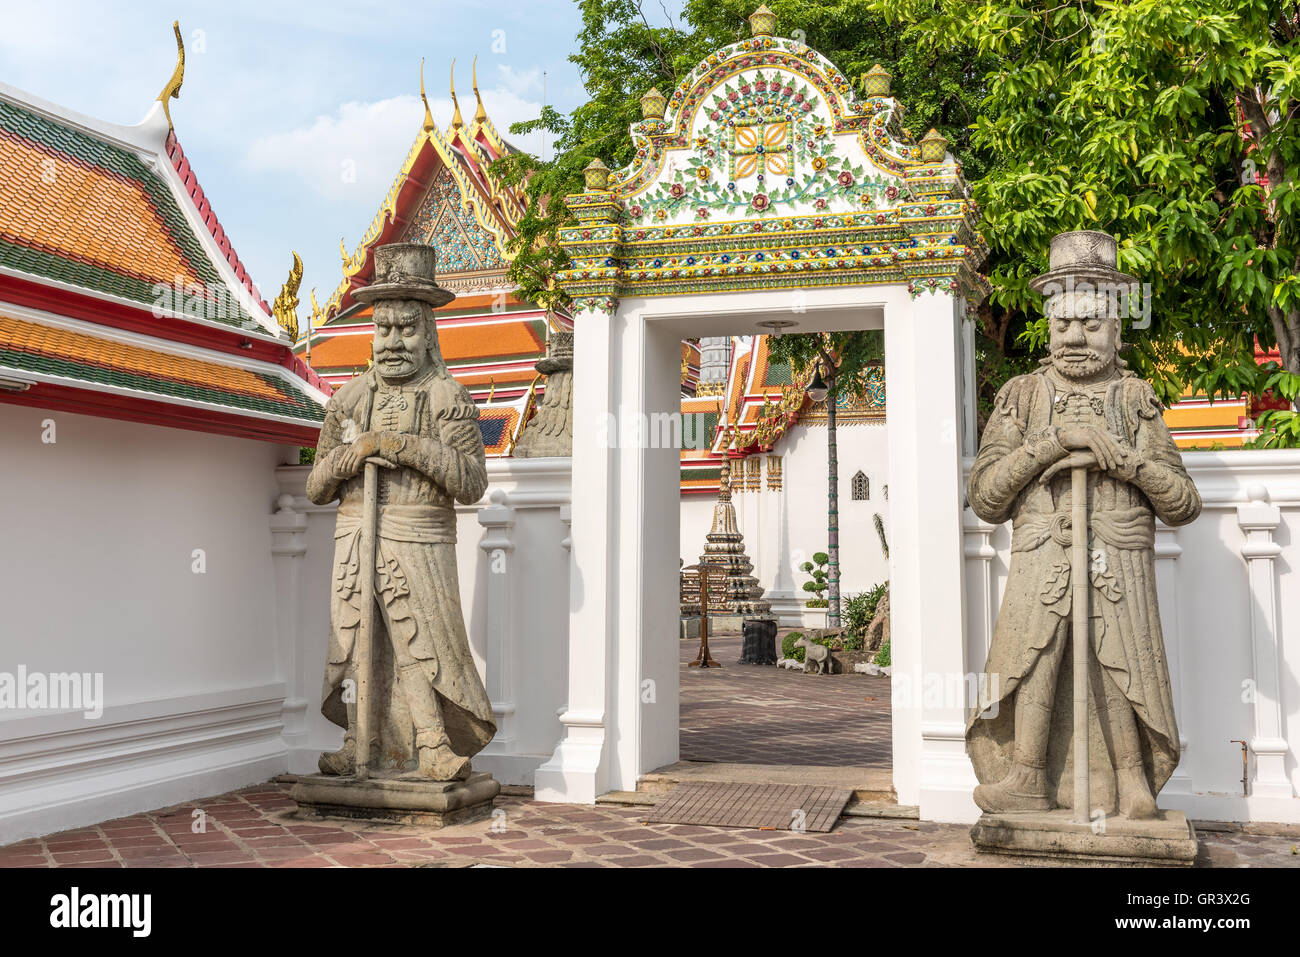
{"points": [[763, 190]]}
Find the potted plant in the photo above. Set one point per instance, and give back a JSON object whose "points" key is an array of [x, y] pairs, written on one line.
{"points": [[813, 614]]}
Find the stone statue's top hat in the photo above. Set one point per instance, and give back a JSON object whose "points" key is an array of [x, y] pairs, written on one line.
{"points": [[1084, 256], [405, 271]]}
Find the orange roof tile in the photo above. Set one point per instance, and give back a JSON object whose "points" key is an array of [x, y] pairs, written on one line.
{"points": [[458, 344]]}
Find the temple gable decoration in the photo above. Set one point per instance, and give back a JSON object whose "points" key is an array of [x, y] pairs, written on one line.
{"points": [[463, 245], [763, 169]]}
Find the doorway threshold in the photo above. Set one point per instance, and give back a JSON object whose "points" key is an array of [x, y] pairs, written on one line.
{"points": [[873, 788]]}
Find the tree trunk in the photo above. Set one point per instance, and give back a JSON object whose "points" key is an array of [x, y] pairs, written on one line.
{"points": [[832, 507]]}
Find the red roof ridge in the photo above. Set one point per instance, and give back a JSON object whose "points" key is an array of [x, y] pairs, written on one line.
{"points": [[209, 217]]}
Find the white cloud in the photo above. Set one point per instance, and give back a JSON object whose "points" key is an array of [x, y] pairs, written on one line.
{"points": [[358, 149], [519, 82]]}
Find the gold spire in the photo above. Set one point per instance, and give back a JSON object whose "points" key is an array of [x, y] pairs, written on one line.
{"points": [[480, 114], [456, 121], [428, 116], [172, 89], [285, 307]]}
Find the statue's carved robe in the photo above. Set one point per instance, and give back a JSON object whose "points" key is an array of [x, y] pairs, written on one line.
{"points": [[1019, 442], [416, 586]]}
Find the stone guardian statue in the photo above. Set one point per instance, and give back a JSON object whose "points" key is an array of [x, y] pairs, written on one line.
{"points": [[1081, 410], [429, 712]]}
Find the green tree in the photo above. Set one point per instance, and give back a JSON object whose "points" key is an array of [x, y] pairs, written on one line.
{"points": [[843, 359], [1168, 123]]}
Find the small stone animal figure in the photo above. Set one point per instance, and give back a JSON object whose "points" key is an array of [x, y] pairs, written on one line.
{"points": [[814, 655]]}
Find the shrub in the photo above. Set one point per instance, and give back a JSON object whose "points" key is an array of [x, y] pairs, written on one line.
{"points": [[859, 609], [882, 656], [819, 581]]}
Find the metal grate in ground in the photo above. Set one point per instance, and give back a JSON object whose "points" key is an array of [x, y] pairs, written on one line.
{"points": [[778, 807]]}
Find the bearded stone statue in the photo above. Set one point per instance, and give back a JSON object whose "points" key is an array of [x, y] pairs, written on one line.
{"points": [[1081, 408], [431, 713]]}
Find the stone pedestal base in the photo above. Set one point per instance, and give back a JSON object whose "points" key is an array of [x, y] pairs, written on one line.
{"points": [[402, 799], [1167, 840]]}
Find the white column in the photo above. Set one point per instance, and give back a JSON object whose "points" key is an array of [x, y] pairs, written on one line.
{"points": [[499, 521], [982, 597], [1259, 520], [646, 666], [577, 772], [1167, 552], [288, 546], [927, 598]]}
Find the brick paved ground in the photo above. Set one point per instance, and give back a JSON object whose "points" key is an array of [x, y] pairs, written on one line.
{"points": [[256, 827], [738, 713], [753, 714]]}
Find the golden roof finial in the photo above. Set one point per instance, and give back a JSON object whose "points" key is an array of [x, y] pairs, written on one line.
{"points": [[285, 307], [428, 116], [480, 114], [456, 121], [172, 89], [343, 251]]}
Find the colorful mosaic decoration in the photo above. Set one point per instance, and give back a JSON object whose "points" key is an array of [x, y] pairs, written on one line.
{"points": [[767, 144], [768, 173], [463, 245], [79, 210], [774, 473], [849, 409]]}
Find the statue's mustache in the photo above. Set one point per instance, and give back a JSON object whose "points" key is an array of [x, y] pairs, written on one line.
{"points": [[1075, 352]]}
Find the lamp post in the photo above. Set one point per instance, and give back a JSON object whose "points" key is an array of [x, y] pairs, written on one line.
{"points": [[823, 390]]}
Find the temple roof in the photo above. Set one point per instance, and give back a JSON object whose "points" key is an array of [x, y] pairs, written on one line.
{"points": [[120, 293], [445, 194]]}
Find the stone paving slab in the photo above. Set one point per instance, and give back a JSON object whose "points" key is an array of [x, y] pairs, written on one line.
{"points": [[256, 827], [761, 714]]}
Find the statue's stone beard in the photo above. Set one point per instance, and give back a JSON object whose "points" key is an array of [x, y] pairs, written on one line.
{"points": [[420, 363], [1089, 364]]}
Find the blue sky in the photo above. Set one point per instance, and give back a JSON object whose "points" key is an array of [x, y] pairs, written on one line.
{"points": [[278, 97]]}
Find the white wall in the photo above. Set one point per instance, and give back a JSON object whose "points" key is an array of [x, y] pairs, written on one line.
{"points": [[96, 571], [784, 527], [1229, 587]]}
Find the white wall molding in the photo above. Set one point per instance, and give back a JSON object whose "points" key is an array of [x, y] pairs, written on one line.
{"points": [[61, 770], [1259, 520]]}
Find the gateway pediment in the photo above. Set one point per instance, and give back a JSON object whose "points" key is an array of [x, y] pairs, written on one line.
{"points": [[764, 169]]}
